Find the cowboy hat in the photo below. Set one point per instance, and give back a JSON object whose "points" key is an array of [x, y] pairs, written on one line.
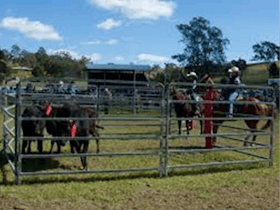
{"points": [[235, 69], [192, 74]]}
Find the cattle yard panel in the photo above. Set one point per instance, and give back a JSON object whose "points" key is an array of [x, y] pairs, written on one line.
{"points": [[230, 137], [118, 122], [132, 98], [8, 110], [152, 126]]}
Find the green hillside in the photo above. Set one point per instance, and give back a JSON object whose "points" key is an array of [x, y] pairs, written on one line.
{"points": [[256, 74]]}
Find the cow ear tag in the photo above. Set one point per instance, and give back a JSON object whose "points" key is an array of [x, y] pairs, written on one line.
{"points": [[73, 130], [48, 111]]}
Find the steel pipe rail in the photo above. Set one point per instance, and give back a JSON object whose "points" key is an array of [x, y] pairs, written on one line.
{"points": [[241, 140], [222, 118], [240, 128], [220, 134], [222, 102], [214, 164], [89, 171], [122, 137], [35, 156], [246, 153], [223, 149], [153, 96], [224, 86]]}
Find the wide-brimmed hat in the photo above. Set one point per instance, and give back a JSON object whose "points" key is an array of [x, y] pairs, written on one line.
{"points": [[235, 69], [192, 74]]}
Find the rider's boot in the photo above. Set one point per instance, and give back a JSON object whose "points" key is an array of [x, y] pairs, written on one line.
{"points": [[230, 114]]}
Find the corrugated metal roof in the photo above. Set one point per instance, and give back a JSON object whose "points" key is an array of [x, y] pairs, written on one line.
{"points": [[121, 67], [22, 68]]}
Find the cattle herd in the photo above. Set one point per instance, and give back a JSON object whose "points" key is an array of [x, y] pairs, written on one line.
{"points": [[74, 123]]}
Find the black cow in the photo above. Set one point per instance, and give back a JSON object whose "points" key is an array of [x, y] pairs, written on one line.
{"points": [[83, 128], [56, 128], [32, 127]]}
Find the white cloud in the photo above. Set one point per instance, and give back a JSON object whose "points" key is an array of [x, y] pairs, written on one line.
{"points": [[91, 42], [112, 42], [152, 58], [138, 9], [93, 57], [32, 29], [119, 58], [109, 24]]}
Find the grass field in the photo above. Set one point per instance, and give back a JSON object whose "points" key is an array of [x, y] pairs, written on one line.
{"points": [[232, 187], [254, 186], [254, 74]]}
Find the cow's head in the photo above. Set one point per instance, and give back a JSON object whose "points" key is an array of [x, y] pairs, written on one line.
{"points": [[46, 106]]}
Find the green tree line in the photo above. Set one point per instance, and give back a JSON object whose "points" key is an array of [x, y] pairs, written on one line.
{"points": [[42, 64]]}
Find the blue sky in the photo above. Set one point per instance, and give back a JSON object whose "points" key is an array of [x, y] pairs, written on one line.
{"points": [[139, 31]]}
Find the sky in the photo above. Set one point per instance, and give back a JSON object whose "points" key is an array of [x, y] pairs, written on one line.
{"points": [[133, 31]]}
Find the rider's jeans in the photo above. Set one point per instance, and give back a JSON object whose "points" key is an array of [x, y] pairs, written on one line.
{"points": [[232, 98]]}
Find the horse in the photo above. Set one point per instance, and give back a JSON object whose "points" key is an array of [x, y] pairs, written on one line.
{"points": [[220, 111], [183, 109]]}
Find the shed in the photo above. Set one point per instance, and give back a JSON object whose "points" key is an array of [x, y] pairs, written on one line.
{"points": [[112, 74]]}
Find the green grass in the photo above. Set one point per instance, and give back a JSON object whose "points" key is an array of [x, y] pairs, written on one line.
{"points": [[125, 190], [254, 186], [256, 74]]}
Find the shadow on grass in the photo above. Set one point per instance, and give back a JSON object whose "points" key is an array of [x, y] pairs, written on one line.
{"points": [[137, 175], [30, 165], [39, 164]]}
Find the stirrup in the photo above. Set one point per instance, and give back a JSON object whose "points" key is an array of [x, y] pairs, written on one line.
{"points": [[229, 115]]}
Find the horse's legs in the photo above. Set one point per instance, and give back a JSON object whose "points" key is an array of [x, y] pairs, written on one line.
{"points": [[179, 126], [252, 124]]}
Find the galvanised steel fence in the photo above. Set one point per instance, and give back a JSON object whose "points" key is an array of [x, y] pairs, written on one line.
{"points": [[143, 112]]}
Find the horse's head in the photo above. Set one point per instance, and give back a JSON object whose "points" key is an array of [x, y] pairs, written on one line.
{"points": [[177, 95]]}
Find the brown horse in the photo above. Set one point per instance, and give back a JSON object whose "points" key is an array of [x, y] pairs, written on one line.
{"points": [[183, 109], [251, 110]]}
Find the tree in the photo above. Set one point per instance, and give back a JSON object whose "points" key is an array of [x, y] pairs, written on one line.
{"points": [[16, 51], [278, 53], [38, 71], [205, 45], [265, 51], [42, 51]]}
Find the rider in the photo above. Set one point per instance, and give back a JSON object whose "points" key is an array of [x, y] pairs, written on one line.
{"points": [[192, 78], [234, 79]]}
